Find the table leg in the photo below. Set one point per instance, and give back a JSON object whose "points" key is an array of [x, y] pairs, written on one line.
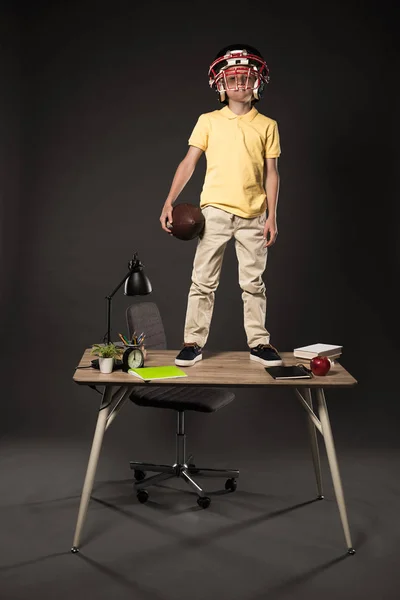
{"points": [[333, 465], [92, 464], [314, 445]]}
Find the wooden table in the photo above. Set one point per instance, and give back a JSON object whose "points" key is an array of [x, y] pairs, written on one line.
{"points": [[217, 369]]}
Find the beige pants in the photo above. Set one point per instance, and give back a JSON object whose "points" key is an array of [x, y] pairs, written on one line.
{"points": [[220, 227]]}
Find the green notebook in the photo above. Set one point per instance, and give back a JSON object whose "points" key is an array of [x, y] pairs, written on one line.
{"points": [[164, 372]]}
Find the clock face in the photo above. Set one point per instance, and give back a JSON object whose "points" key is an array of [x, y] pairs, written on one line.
{"points": [[133, 358]]}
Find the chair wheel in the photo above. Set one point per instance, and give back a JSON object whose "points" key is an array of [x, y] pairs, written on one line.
{"points": [[142, 496], [139, 475], [192, 468], [230, 484], [204, 501]]}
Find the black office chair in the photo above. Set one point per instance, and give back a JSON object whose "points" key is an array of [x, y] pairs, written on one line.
{"points": [[145, 316]]}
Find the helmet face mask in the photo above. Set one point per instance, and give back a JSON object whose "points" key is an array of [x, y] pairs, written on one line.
{"points": [[237, 79], [238, 68]]}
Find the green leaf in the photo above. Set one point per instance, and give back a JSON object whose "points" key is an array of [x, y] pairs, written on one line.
{"points": [[106, 350]]}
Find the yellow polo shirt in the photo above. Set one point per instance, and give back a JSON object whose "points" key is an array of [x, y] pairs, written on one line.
{"points": [[236, 148]]}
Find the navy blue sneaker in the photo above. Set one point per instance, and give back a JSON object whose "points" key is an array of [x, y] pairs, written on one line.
{"points": [[267, 355], [189, 355]]}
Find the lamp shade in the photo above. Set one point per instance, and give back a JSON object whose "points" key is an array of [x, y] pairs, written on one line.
{"points": [[137, 284]]}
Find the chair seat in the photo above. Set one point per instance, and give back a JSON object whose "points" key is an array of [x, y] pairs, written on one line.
{"points": [[206, 399]]}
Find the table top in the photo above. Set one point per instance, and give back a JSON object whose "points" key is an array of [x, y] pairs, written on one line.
{"points": [[229, 369]]}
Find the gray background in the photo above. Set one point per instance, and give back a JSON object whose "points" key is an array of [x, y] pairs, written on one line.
{"points": [[97, 113], [97, 104]]}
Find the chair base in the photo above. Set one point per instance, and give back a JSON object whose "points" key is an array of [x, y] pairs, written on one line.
{"points": [[184, 470], [183, 467]]}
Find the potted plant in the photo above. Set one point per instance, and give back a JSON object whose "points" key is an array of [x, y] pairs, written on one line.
{"points": [[107, 353]]}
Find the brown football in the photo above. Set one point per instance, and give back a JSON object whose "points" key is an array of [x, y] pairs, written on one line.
{"points": [[187, 221]]}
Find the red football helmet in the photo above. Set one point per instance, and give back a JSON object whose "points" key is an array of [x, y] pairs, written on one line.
{"points": [[238, 67]]}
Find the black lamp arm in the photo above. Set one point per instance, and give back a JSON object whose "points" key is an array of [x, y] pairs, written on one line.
{"points": [[119, 285], [134, 265]]}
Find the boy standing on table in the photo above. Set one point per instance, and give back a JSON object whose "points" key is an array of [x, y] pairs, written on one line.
{"points": [[241, 182]]}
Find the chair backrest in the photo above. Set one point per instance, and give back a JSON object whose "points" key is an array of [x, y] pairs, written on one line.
{"points": [[145, 316]]}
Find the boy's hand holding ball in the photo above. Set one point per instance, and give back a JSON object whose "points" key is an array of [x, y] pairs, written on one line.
{"points": [[166, 217]]}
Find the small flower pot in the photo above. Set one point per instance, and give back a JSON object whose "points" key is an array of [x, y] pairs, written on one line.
{"points": [[106, 365]]}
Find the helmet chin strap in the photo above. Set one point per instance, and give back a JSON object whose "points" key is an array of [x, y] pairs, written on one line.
{"points": [[222, 96]]}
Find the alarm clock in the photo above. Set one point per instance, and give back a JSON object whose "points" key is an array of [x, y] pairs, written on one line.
{"points": [[133, 358]]}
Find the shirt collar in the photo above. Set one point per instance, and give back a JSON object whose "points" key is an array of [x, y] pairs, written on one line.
{"points": [[226, 112]]}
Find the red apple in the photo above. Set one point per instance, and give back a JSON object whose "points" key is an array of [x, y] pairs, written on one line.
{"points": [[320, 365]]}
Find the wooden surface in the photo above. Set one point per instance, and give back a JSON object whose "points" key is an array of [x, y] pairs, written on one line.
{"points": [[231, 369]]}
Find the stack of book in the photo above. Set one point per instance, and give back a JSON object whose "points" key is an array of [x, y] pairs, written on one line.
{"points": [[330, 350]]}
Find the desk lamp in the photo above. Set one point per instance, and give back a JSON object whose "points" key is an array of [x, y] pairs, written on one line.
{"points": [[136, 284]]}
